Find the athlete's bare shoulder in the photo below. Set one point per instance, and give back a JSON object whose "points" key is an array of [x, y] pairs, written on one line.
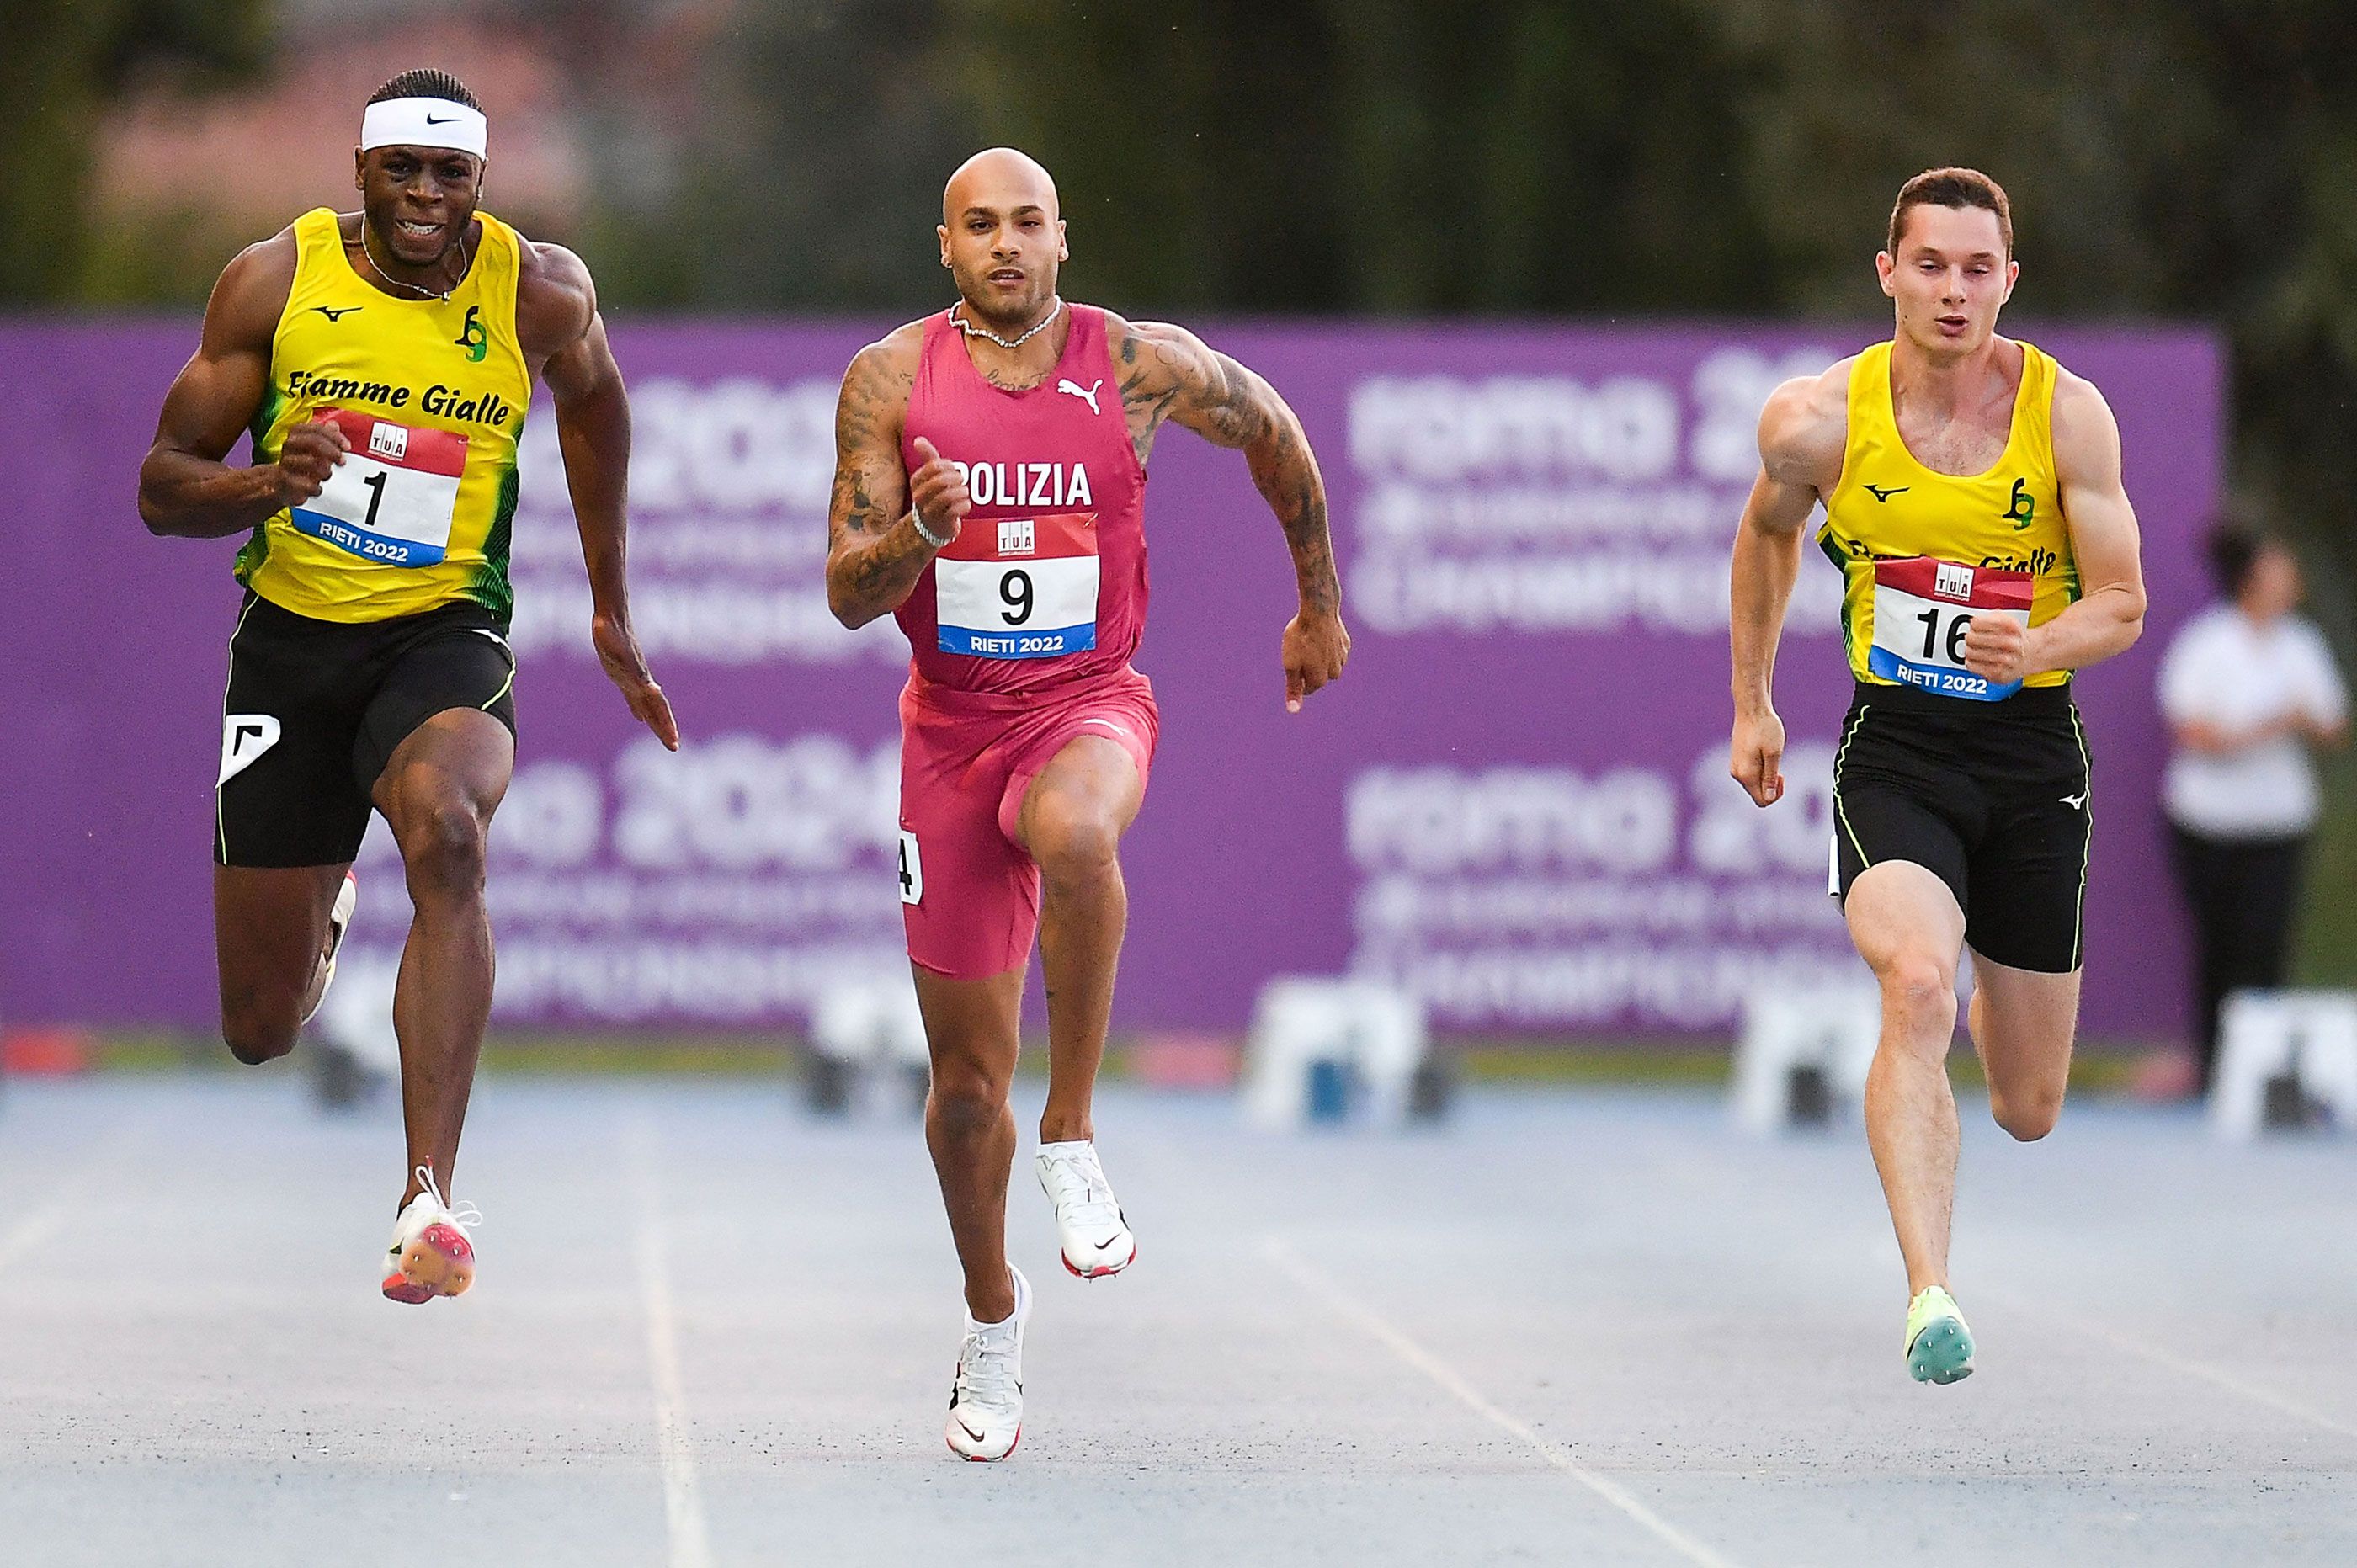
{"points": [[1165, 371], [871, 484], [1155, 356], [251, 294], [1804, 427], [557, 299], [2086, 435], [876, 388]]}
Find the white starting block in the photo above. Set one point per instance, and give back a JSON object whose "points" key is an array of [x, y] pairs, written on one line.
{"points": [[2284, 1057], [1804, 1055], [867, 1045], [1321, 1048]]}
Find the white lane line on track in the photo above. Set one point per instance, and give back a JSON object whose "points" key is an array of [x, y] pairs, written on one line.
{"points": [[47, 1220], [1318, 1284], [2174, 1362], [683, 1497]]}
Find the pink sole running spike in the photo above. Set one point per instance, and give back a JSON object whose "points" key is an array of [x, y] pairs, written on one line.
{"points": [[441, 1262]]}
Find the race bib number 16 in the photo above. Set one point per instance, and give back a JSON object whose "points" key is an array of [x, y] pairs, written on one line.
{"points": [[1923, 607], [391, 498]]}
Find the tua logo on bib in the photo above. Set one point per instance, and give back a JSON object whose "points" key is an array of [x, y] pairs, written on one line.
{"points": [[1955, 582]]}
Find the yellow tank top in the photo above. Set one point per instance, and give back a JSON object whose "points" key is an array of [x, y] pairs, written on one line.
{"points": [[431, 394], [1921, 552]]}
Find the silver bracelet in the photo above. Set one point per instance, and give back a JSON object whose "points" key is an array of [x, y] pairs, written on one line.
{"points": [[916, 522]]}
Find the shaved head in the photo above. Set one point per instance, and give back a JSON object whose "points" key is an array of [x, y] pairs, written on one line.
{"points": [[1003, 237], [1000, 178]]}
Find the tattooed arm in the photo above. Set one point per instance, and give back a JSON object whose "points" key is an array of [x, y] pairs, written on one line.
{"points": [[1168, 372], [873, 553]]}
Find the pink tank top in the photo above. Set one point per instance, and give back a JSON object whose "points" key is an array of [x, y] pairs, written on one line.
{"points": [[1046, 583]]}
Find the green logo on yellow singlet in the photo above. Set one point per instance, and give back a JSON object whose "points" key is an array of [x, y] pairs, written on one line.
{"points": [[477, 338], [2021, 513]]}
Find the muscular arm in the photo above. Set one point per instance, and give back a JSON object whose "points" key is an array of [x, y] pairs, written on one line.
{"points": [[557, 321], [1801, 432], [2109, 614], [1168, 372], [185, 488], [874, 552]]}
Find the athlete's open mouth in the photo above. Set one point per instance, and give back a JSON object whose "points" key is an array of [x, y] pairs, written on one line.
{"points": [[416, 231], [1007, 274]]}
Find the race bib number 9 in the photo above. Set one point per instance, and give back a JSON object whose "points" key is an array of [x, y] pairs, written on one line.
{"points": [[1019, 587], [1922, 609], [391, 498]]}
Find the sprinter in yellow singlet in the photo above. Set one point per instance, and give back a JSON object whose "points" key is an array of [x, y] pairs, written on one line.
{"points": [[382, 360], [1974, 504]]}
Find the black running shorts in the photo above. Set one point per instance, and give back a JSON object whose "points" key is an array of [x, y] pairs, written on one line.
{"points": [[315, 709], [1989, 797]]}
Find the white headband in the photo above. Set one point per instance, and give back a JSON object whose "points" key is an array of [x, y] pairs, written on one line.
{"points": [[425, 122]]}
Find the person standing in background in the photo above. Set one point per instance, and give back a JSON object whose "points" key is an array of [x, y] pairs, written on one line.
{"points": [[2249, 689]]}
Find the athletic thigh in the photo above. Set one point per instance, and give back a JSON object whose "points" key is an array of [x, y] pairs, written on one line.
{"points": [[1096, 752], [1879, 822], [2030, 870], [453, 659], [969, 895], [270, 925], [1090, 779], [444, 780], [2025, 1022], [285, 796], [1900, 914]]}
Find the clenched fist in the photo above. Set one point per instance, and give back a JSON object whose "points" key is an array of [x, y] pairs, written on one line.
{"points": [[309, 454]]}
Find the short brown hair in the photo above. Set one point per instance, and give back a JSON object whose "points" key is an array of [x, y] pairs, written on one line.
{"points": [[1956, 187]]}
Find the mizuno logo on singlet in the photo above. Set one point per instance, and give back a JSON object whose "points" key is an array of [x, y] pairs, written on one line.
{"points": [[1879, 494], [336, 313], [1091, 395]]}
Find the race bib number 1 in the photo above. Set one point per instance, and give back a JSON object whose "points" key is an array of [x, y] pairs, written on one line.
{"points": [[1019, 587], [1923, 607], [391, 498]]}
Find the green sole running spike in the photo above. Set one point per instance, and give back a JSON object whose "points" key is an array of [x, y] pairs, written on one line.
{"points": [[1942, 1353]]}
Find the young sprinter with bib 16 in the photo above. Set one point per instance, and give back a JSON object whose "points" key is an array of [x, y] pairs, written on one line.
{"points": [[384, 360], [1975, 508], [989, 491]]}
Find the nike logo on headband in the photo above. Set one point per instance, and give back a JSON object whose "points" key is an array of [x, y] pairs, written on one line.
{"points": [[444, 120]]}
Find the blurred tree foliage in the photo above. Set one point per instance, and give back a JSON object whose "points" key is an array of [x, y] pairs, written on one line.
{"points": [[60, 63], [2192, 158]]}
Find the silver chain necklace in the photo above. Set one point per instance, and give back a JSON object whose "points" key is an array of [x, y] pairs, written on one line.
{"points": [[971, 330], [420, 290]]}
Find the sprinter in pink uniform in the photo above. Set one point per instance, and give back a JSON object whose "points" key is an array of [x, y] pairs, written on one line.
{"points": [[989, 491]]}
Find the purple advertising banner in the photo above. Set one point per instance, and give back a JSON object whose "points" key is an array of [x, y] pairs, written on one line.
{"points": [[1514, 804]]}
